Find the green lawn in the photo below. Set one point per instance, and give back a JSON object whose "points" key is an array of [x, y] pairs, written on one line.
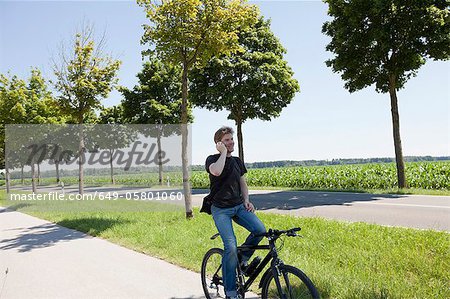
{"points": [[344, 260]]}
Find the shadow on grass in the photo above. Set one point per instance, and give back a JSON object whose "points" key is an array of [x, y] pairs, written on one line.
{"points": [[49, 234], [15, 207], [325, 292], [93, 226], [373, 294]]}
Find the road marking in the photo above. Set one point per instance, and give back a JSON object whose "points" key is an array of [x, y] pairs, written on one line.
{"points": [[400, 204]]}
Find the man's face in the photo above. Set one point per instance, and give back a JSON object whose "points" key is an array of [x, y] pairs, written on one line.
{"points": [[228, 141]]}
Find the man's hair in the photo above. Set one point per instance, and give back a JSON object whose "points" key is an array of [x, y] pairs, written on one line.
{"points": [[222, 131]]}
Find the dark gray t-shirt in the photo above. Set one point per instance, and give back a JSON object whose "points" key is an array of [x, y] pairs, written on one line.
{"points": [[226, 188]]}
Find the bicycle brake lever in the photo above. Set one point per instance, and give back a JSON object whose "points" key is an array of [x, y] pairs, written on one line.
{"points": [[294, 235]]}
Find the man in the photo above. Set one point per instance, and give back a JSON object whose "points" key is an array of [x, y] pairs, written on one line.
{"points": [[230, 200]]}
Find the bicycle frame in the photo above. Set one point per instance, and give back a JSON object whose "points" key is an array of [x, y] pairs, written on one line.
{"points": [[272, 255]]}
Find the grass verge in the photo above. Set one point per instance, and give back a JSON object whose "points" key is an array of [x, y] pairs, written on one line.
{"points": [[344, 260]]}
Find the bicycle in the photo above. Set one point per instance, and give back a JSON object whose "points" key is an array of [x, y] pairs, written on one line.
{"points": [[278, 281]]}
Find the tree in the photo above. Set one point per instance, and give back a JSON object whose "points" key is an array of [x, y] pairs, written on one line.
{"points": [[255, 83], [385, 42], [41, 108], [24, 102], [156, 100], [12, 111], [111, 134], [84, 76], [190, 32], [59, 151]]}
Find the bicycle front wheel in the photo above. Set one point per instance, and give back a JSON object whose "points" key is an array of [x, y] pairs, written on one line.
{"points": [[211, 274], [294, 284]]}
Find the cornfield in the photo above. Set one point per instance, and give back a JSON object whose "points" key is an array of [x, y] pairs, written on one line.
{"points": [[424, 175]]}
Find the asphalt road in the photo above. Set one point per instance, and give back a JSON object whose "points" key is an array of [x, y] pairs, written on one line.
{"points": [[414, 211]]}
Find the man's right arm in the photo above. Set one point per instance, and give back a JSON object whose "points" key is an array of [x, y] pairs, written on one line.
{"points": [[216, 168]]}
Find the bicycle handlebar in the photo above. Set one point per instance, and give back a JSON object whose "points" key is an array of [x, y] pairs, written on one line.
{"points": [[276, 233], [273, 233]]}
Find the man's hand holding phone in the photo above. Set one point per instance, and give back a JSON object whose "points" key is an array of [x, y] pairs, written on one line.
{"points": [[221, 147]]}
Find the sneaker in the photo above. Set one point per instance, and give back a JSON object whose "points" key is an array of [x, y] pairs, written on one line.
{"points": [[244, 266]]}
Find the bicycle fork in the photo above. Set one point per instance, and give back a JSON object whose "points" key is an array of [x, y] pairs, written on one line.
{"points": [[277, 273]]}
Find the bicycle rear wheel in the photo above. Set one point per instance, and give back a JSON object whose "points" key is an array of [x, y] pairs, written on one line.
{"points": [[294, 284], [211, 274]]}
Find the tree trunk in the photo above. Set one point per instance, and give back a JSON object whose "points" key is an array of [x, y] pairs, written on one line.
{"points": [[81, 160], [38, 174], [22, 180], [240, 139], [184, 143], [57, 171], [158, 139], [396, 131], [7, 180], [33, 178], [111, 152]]}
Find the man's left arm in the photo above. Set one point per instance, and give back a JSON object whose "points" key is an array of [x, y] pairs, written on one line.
{"points": [[244, 191]]}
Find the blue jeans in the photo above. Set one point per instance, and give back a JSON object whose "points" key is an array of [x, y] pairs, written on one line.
{"points": [[223, 220]]}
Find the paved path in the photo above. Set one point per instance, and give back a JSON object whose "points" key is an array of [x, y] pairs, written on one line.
{"points": [[39, 259]]}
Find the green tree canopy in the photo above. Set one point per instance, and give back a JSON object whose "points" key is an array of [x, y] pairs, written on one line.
{"points": [[25, 102], [384, 43], [112, 115], [111, 134], [155, 100], [84, 76], [191, 31], [157, 96], [254, 83]]}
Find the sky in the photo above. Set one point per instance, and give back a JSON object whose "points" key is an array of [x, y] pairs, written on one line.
{"points": [[324, 121]]}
